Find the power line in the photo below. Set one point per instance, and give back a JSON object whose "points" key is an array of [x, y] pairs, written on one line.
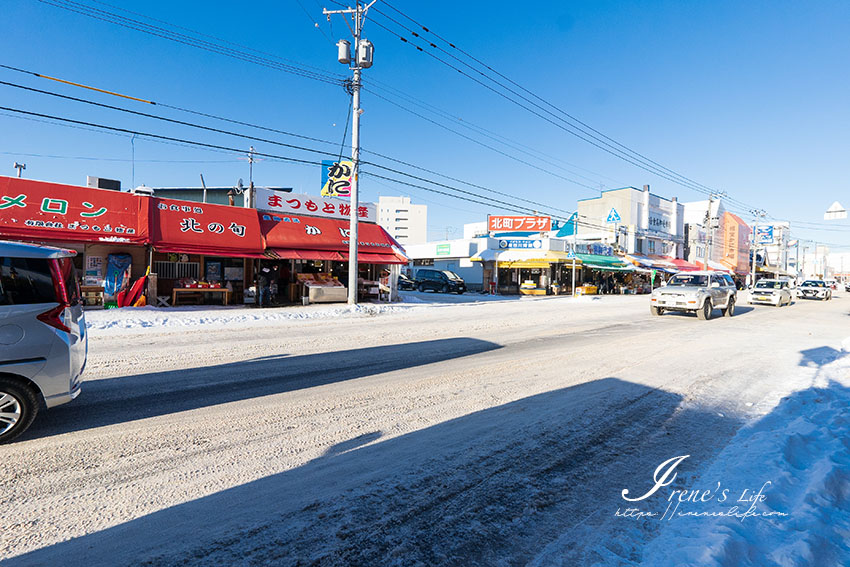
{"points": [[582, 131], [481, 199], [244, 54], [254, 138]]}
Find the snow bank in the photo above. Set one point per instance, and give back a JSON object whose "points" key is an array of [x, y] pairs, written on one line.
{"points": [[139, 318], [803, 449], [130, 318]]}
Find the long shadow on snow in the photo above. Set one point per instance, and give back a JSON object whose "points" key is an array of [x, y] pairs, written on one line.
{"points": [[494, 486], [128, 398]]}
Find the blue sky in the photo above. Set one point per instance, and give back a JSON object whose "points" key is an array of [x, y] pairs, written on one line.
{"points": [[750, 98]]}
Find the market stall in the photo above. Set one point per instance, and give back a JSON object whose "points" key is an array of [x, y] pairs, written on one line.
{"points": [[108, 229], [202, 251], [320, 245]]}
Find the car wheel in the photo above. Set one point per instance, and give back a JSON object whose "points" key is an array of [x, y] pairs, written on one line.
{"points": [[420, 287], [704, 313], [460, 292], [18, 407], [656, 310], [730, 308], [444, 288]]}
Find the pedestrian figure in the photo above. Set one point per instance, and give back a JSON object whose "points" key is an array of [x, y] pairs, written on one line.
{"points": [[264, 285]]}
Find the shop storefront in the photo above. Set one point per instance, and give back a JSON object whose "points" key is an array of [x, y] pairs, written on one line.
{"points": [[313, 252], [108, 229], [202, 252]]}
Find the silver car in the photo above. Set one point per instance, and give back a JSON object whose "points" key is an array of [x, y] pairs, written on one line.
{"points": [[697, 292], [43, 341], [814, 289], [772, 292]]}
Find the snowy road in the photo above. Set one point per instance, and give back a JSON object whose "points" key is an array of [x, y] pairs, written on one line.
{"points": [[496, 433]]}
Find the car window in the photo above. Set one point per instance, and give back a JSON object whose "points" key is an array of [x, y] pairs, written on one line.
{"points": [[729, 280], [26, 281], [687, 279]]}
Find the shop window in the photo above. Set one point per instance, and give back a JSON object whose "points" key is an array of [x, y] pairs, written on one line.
{"points": [[652, 247], [177, 270]]}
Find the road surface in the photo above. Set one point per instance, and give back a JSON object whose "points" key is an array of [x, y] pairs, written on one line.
{"points": [[499, 433]]}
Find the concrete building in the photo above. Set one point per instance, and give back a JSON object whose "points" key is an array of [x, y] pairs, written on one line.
{"points": [[406, 222], [701, 226], [634, 221]]}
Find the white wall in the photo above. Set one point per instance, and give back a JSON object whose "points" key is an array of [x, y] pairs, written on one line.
{"points": [[406, 222]]}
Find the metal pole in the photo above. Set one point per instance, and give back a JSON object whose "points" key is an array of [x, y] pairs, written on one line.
{"points": [[355, 157], [708, 234], [204, 185], [575, 222], [756, 215]]}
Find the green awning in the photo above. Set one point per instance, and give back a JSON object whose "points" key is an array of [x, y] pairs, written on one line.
{"points": [[606, 263]]}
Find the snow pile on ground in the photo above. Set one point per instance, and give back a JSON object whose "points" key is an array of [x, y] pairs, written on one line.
{"points": [[237, 316], [137, 318], [803, 449]]}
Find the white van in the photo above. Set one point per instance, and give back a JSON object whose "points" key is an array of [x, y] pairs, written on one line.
{"points": [[43, 340]]}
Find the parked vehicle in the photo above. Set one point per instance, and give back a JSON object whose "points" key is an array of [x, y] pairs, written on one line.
{"points": [[831, 283], [43, 337], [405, 283], [847, 286], [772, 292], [814, 289], [697, 292], [440, 280]]}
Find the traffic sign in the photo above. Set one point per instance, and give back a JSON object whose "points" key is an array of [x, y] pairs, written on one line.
{"points": [[571, 255], [613, 216]]}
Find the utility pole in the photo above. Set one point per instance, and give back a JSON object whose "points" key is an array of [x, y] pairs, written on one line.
{"points": [[756, 213], [20, 167], [249, 198], [708, 234], [362, 60]]}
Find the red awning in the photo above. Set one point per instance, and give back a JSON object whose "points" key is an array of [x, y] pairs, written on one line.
{"points": [[303, 233], [371, 258], [684, 265], [203, 228], [289, 254], [41, 211]]}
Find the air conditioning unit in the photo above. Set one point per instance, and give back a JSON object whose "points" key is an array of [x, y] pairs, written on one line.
{"points": [[142, 190]]}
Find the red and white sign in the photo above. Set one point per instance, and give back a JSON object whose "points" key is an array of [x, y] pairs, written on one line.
{"points": [[536, 224], [300, 204], [38, 210], [204, 228]]}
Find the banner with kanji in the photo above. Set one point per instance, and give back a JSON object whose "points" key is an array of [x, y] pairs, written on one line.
{"points": [[315, 233], [527, 223], [42, 211], [300, 204], [336, 178], [204, 228]]}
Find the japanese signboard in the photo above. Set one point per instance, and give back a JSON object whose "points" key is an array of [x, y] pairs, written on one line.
{"points": [[37, 210], [536, 224], [204, 228], [444, 249], [336, 178], [300, 204], [315, 233], [520, 244], [764, 235]]}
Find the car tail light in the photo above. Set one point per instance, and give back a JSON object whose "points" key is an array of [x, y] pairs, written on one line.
{"points": [[54, 318]]}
